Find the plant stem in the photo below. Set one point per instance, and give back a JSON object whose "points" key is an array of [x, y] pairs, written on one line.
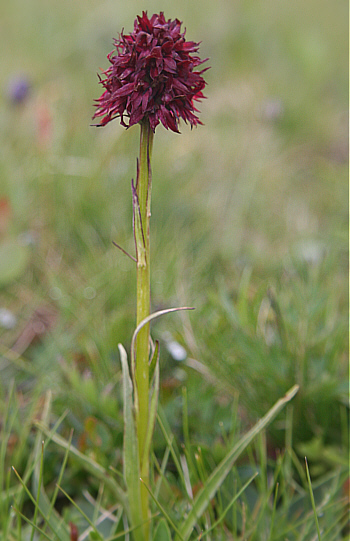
{"points": [[143, 192]]}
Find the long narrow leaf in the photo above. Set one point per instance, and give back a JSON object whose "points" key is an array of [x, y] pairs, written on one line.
{"points": [[228, 507], [63, 467], [312, 500], [172, 445], [39, 481], [162, 510], [161, 470], [35, 527], [273, 512], [97, 535], [215, 480], [7, 423], [125, 533], [18, 492], [53, 522], [154, 393], [88, 464], [154, 360], [131, 458], [41, 502]]}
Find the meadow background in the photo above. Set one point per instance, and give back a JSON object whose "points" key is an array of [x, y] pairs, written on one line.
{"points": [[249, 226]]}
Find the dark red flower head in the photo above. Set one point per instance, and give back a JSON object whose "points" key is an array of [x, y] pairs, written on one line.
{"points": [[152, 76]]}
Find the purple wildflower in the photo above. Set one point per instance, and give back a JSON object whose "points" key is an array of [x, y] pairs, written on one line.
{"points": [[18, 89], [152, 76]]}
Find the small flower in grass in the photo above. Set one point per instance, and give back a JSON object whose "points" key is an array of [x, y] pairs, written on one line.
{"points": [[152, 76], [18, 89]]}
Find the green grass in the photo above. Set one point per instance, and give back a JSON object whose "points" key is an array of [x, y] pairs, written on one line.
{"points": [[249, 226]]}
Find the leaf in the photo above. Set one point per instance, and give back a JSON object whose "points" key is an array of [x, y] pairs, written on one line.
{"points": [[97, 535], [42, 502], [154, 393], [162, 532], [14, 259], [163, 511], [170, 440], [124, 251], [312, 500], [154, 360], [208, 491], [144, 322], [130, 453], [42, 533], [228, 507], [88, 464], [53, 522]]}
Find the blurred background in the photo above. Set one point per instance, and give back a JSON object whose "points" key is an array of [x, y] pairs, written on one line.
{"points": [[249, 220]]}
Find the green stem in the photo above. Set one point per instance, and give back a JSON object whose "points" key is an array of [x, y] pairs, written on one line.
{"points": [[143, 191]]}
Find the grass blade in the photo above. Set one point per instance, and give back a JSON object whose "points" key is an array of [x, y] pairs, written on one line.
{"points": [[172, 445], [7, 423], [63, 467], [35, 527], [312, 500], [154, 360], [91, 524], [228, 507], [207, 492], [163, 511], [53, 522], [39, 484], [130, 453], [161, 470], [273, 512], [88, 464], [154, 392]]}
